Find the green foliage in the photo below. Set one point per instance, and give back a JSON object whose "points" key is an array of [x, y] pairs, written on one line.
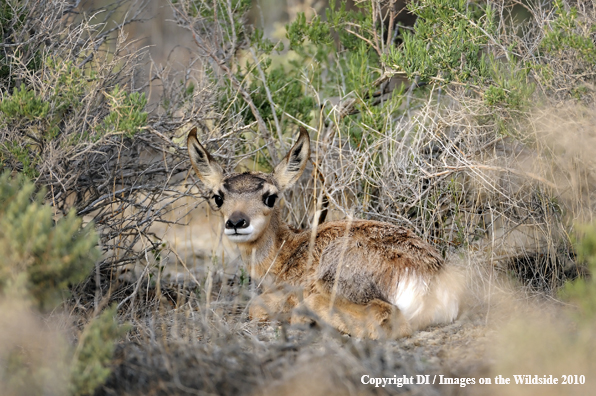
{"points": [[263, 44], [582, 291], [276, 89], [508, 86], [70, 84], [316, 31], [91, 363], [367, 118], [339, 21], [23, 155], [349, 65], [446, 43], [127, 113], [40, 256], [287, 92], [567, 33], [68, 87], [565, 60], [24, 103], [48, 113], [361, 69], [315, 38]]}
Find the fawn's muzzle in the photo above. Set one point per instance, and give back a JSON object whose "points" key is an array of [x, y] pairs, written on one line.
{"points": [[237, 223]]}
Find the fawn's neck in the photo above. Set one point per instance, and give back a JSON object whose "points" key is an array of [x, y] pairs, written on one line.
{"points": [[262, 256]]}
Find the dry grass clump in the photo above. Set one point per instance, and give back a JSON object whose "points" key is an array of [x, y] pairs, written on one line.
{"points": [[33, 351], [566, 134], [550, 340], [199, 347], [546, 344]]}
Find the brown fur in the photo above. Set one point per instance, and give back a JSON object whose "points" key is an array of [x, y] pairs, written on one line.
{"points": [[347, 272]]}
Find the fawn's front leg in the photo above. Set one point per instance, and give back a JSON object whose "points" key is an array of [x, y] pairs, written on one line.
{"points": [[275, 303], [377, 319]]}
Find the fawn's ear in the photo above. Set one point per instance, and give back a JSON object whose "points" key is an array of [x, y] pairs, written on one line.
{"points": [[291, 167], [205, 166]]}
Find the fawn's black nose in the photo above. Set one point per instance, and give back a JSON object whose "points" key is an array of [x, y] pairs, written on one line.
{"points": [[237, 220]]}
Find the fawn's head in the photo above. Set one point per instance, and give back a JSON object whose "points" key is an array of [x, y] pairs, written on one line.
{"points": [[247, 200]]}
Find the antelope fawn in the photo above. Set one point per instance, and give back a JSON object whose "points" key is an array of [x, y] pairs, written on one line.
{"points": [[365, 278]]}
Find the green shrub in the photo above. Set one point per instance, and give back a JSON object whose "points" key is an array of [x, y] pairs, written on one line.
{"points": [[568, 33], [565, 60], [127, 113], [509, 86], [582, 291], [315, 30], [47, 116], [93, 356], [40, 259], [24, 103], [286, 91], [447, 41], [40, 255]]}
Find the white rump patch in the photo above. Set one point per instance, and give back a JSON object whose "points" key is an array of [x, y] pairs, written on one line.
{"points": [[425, 303], [409, 297]]}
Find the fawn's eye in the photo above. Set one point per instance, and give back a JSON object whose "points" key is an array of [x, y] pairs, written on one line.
{"points": [[218, 200], [269, 200]]}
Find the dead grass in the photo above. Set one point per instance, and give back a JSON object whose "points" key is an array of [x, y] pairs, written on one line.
{"points": [[33, 350], [192, 349]]}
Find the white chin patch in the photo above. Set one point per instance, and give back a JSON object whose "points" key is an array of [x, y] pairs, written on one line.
{"points": [[241, 234]]}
